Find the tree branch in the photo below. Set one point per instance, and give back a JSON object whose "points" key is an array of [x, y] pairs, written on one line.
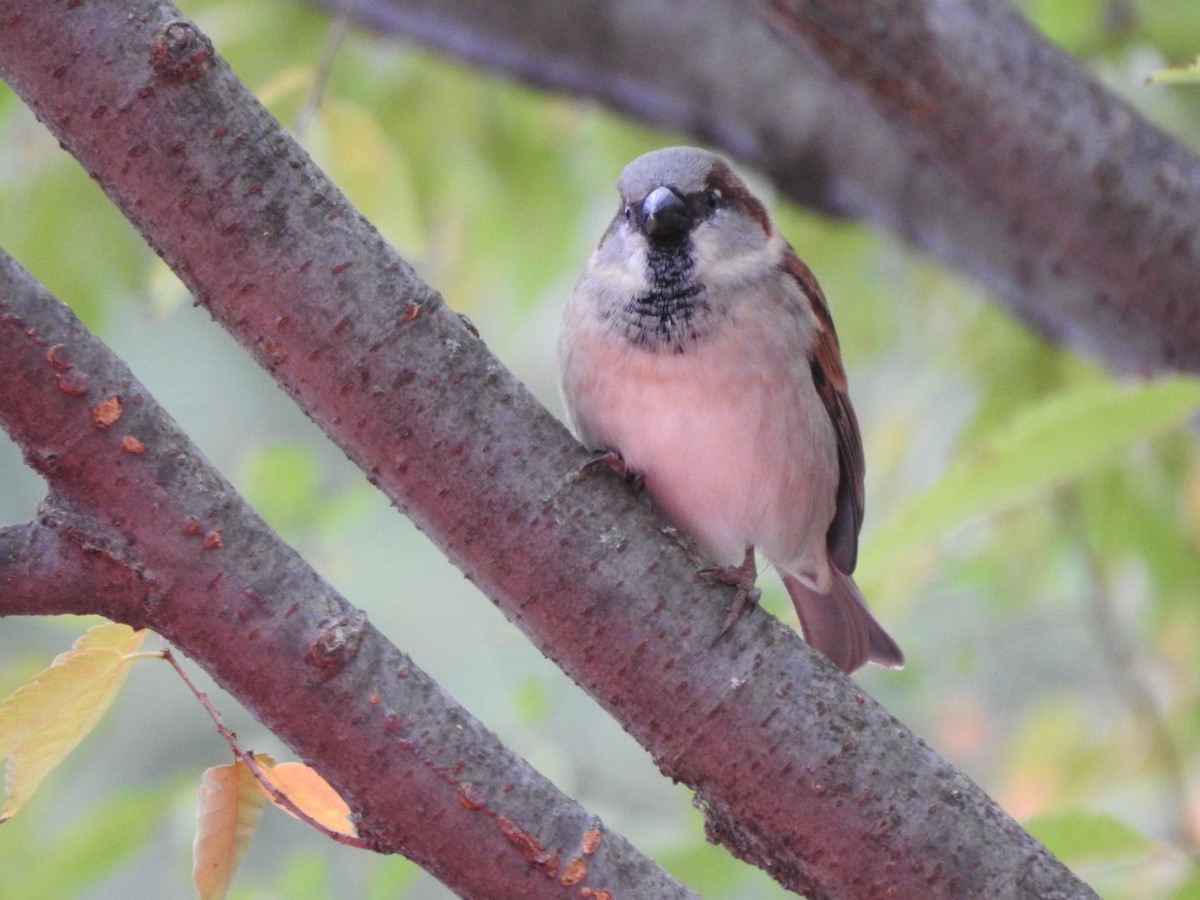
{"points": [[797, 770], [147, 533], [43, 575], [957, 126]]}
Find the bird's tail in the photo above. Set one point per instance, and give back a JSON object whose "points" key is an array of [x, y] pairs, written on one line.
{"points": [[841, 626]]}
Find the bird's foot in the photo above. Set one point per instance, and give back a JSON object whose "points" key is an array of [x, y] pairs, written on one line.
{"points": [[742, 577], [611, 459]]}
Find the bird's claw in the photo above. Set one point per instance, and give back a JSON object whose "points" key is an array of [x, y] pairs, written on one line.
{"points": [[613, 460], [742, 577], [745, 596]]}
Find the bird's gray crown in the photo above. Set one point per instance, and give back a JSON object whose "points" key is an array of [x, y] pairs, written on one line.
{"points": [[683, 168]]}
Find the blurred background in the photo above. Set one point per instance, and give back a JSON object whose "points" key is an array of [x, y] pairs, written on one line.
{"points": [[1052, 623]]}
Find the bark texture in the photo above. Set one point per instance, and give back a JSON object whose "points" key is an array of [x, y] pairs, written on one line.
{"points": [[138, 527]]}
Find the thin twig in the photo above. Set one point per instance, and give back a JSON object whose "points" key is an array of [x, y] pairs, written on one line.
{"points": [[338, 29], [279, 797]]}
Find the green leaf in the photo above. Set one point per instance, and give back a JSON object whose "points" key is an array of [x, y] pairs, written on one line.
{"points": [[281, 482], [1057, 441], [87, 850], [531, 701], [1079, 27], [389, 876], [1074, 835], [1189, 74], [1189, 889], [306, 876]]}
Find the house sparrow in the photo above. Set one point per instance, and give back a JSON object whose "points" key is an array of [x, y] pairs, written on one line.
{"points": [[697, 352]]}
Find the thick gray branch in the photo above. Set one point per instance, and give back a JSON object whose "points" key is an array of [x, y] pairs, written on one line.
{"points": [[952, 122], [798, 771]]}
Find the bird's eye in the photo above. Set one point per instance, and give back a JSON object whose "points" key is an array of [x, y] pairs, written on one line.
{"points": [[628, 213], [712, 199]]}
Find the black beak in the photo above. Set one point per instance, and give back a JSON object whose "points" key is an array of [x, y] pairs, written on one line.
{"points": [[664, 215]]}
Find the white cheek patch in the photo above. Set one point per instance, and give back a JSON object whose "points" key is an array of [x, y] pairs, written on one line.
{"points": [[725, 259], [619, 264]]}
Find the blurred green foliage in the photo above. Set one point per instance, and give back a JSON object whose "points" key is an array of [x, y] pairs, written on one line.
{"points": [[1033, 532]]}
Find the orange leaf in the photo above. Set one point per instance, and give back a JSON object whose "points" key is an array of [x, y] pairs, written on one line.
{"points": [[41, 722], [230, 805], [312, 794]]}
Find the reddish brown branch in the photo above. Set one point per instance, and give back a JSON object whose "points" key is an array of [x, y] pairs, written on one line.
{"points": [[43, 574], [149, 534], [798, 771]]}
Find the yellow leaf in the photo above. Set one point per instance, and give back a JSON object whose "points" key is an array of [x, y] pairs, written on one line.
{"points": [[41, 722], [110, 635], [295, 81], [230, 805], [312, 794], [350, 143]]}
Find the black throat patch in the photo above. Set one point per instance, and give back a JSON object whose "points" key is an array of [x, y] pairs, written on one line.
{"points": [[671, 313]]}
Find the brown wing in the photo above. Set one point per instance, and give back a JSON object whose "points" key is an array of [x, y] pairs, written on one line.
{"points": [[829, 378]]}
